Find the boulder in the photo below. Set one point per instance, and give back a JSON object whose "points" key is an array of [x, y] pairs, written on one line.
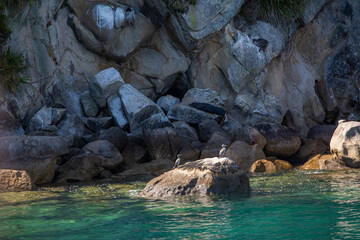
{"points": [[345, 144], [322, 132], [71, 129], [116, 136], [210, 176], [244, 154], [187, 114], [282, 165], [163, 143], [323, 162], [105, 84], [146, 171], [111, 158], [41, 119], [158, 120], [88, 104], [133, 154], [117, 112], [209, 108], [185, 131], [191, 151], [207, 128], [197, 95], [137, 106], [249, 135], [80, 168], [96, 124], [263, 165], [308, 148], [280, 141], [166, 102], [57, 115], [213, 146], [21, 147], [9, 126], [14, 180]]}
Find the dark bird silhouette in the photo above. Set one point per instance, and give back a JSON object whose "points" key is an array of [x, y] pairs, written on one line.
{"points": [[223, 150], [178, 160]]}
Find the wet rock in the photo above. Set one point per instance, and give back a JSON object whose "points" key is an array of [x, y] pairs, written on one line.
{"points": [[96, 124], [309, 148], [41, 119], [117, 112], [57, 115], [71, 129], [263, 166], [213, 146], [280, 141], [9, 126], [88, 104], [105, 84], [249, 135], [185, 131], [322, 132], [344, 144], [14, 180], [116, 136], [187, 114], [210, 176], [207, 128], [244, 154], [137, 106], [111, 158], [80, 168], [323, 162], [166, 102]]}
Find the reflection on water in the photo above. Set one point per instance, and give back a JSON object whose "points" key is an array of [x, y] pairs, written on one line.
{"points": [[292, 205]]}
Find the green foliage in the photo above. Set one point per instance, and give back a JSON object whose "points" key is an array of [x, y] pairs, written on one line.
{"points": [[180, 6], [284, 8]]}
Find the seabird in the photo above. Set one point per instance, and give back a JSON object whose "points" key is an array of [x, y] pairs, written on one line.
{"points": [[177, 162], [223, 150]]}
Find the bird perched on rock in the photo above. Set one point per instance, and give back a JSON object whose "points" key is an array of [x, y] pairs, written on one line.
{"points": [[223, 150], [177, 162]]}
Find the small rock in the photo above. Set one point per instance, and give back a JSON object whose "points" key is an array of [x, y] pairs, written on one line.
{"points": [[282, 165], [88, 104], [14, 180], [263, 166], [166, 102], [96, 124], [117, 111], [105, 84], [41, 119], [116, 136]]}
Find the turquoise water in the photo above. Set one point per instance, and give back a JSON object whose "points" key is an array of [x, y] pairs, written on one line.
{"points": [[292, 205]]}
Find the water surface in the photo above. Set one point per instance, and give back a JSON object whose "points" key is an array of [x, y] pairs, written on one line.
{"points": [[292, 205]]}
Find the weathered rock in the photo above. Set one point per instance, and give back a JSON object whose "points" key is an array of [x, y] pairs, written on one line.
{"points": [[322, 132], [187, 114], [344, 144], [197, 95], [323, 162], [210, 176], [89, 106], [249, 135], [166, 102], [71, 129], [96, 124], [41, 119], [244, 154], [57, 115], [20, 147], [163, 143], [80, 168], [207, 128], [213, 146], [111, 158], [116, 136], [185, 131], [117, 112], [9, 126], [14, 180], [282, 165], [105, 84], [137, 106], [263, 165], [309, 148], [133, 154], [280, 141], [147, 171], [158, 120]]}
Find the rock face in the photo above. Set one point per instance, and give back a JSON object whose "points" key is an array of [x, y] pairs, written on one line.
{"points": [[344, 144], [209, 176], [14, 180]]}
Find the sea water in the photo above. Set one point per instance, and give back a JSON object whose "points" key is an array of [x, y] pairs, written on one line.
{"points": [[289, 205]]}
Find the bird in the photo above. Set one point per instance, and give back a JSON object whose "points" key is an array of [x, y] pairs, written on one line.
{"points": [[177, 162], [222, 150]]}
